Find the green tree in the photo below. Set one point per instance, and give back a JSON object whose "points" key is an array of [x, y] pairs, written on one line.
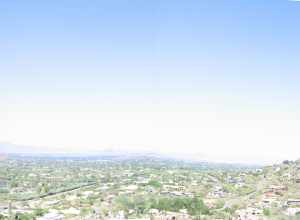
{"points": [[40, 212], [267, 212], [154, 183]]}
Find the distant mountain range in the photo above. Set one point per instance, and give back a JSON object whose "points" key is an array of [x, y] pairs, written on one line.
{"points": [[117, 156], [9, 148]]}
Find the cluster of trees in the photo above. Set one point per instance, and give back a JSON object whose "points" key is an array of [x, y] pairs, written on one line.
{"points": [[142, 204], [26, 216], [154, 183]]}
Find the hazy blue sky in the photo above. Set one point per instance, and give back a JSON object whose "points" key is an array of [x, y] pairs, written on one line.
{"points": [[219, 79]]}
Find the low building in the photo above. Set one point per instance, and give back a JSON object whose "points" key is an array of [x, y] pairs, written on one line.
{"points": [[51, 216], [293, 202], [3, 183], [292, 211], [249, 214]]}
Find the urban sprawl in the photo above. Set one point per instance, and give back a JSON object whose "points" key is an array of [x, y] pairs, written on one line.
{"points": [[145, 188]]}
